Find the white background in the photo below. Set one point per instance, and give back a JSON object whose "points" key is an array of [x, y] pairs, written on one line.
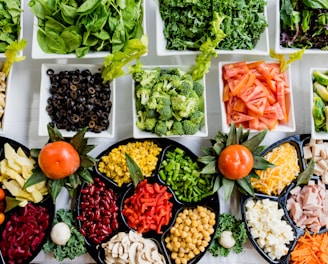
{"points": [[23, 109]]}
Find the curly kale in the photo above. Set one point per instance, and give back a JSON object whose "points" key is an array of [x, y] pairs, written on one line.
{"points": [[228, 222]]}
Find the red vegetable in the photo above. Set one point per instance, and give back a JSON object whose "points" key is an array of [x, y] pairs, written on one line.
{"points": [[148, 208], [23, 233], [255, 94]]}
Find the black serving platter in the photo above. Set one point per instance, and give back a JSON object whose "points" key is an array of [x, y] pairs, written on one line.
{"points": [[211, 202], [298, 141], [46, 203]]}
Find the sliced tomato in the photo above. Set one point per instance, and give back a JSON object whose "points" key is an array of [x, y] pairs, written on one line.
{"points": [[273, 111], [282, 100], [238, 117], [239, 106], [252, 93], [236, 85], [271, 123], [234, 70], [226, 92], [257, 105]]}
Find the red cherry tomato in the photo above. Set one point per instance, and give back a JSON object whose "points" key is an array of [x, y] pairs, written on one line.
{"points": [[235, 162], [58, 160]]}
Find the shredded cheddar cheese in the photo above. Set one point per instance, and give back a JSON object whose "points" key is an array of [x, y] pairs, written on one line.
{"points": [[274, 180]]}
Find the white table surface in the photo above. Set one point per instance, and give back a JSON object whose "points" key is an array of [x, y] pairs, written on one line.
{"points": [[23, 108]]}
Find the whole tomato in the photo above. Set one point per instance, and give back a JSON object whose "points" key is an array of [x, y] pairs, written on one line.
{"points": [[58, 160], [235, 162]]}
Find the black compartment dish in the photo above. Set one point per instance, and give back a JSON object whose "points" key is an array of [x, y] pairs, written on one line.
{"points": [[126, 190], [46, 202], [298, 141]]}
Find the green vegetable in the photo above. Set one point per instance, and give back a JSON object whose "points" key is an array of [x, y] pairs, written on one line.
{"points": [[11, 54], [10, 12], [228, 222], [318, 113], [303, 24], [305, 176], [187, 24], [297, 55], [81, 26], [168, 101], [134, 169], [321, 91], [316, 3], [180, 172], [75, 245], [320, 77], [114, 63]]}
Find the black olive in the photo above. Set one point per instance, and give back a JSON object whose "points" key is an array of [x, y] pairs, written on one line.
{"points": [[50, 72]]}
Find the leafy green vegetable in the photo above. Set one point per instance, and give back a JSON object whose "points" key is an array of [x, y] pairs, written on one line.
{"points": [[303, 24], [75, 245], [228, 222], [207, 49], [297, 55], [10, 12], [11, 54], [114, 63], [187, 24], [81, 26], [305, 176]]}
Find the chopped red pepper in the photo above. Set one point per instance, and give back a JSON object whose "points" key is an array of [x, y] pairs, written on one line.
{"points": [[148, 208]]}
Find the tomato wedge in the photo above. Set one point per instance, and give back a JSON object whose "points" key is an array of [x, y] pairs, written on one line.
{"points": [[255, 94]]}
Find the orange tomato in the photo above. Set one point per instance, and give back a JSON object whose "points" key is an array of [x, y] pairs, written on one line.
{"points": [[58, 160], [235, 162], [2, 217], [2, 194]]}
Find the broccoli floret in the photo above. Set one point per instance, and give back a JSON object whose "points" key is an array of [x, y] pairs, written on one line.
{"points": [[143, 94], [146, 77], [197, 117], [150, 124], [165, 112], [176, 129], [198, 88], [160, 128], [189, 127], [176, 71]]}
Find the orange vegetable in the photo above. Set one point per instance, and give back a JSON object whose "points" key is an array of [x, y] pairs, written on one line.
{"points": [[311, 249], [255, 94]]}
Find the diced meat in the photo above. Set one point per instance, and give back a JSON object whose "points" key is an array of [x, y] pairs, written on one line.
{"points": [[308, 206]]}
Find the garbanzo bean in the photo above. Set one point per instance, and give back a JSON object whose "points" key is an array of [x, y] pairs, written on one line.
{"points": [[145, 154], [191, 241]]}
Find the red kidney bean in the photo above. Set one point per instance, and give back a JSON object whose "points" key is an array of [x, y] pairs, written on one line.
{"points": [[98, 212]]}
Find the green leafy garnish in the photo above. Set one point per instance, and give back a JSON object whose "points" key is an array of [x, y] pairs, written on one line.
{"points": [[228, 222], [305, 176], [297, 55], [135, 171], [74, 247], [207, 49], [114, 63], [11, 55]]}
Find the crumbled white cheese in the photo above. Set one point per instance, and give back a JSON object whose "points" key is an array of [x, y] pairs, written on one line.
{"points": [[271, 232]]}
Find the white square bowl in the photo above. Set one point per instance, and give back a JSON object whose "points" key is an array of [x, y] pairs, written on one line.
{"points": [[280, 127], [283, 50], [315, 134], [20, 53], [44, 117], [38, 53], [3, 119], [261, 48], [138, 133]]}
